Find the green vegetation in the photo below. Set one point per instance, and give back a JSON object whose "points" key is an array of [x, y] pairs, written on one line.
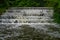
{"points": [[56, 5], [32, 3]]}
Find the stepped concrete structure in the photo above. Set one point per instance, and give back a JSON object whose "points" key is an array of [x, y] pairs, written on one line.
{"points": [[28, 15], [37, 17]]}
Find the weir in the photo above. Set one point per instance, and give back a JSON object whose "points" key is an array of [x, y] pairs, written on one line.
{"points": [[28, 15], [37, 17]]}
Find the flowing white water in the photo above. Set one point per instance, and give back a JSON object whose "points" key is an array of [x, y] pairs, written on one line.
{"points": [[37, 18]]}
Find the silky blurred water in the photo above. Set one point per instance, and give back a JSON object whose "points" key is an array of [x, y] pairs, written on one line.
{"points": [[40, 19]]}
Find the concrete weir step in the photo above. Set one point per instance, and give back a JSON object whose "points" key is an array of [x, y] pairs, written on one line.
{"points": [[30, 23], [26, 20]]}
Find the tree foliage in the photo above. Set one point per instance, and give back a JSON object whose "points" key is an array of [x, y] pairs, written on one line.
{"points": [[56, 5]]}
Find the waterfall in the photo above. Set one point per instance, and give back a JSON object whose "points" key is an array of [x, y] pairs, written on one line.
{"points": [[39, 18]]}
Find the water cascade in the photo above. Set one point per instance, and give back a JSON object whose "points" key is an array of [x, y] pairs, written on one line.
{"points": [[37, 17]]}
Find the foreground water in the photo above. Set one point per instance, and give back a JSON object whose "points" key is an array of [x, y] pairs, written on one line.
{"points": [[28, 24]]}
